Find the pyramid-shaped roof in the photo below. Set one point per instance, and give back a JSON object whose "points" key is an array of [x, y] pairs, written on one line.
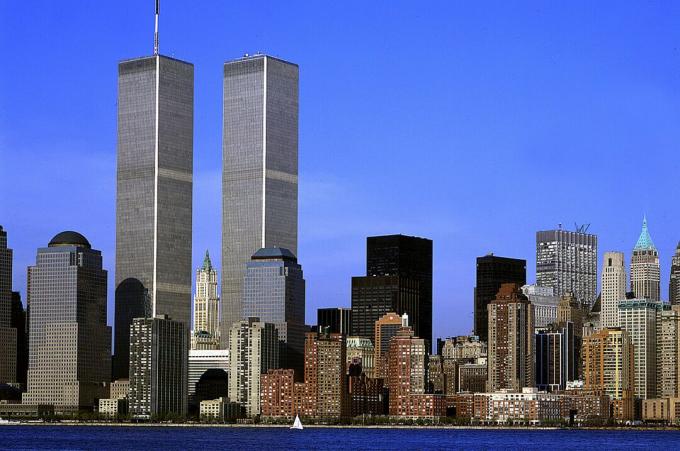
{"points": [[645, 240]]}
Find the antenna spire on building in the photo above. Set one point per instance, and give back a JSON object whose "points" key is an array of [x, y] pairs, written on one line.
{"points": [[155, 33]]}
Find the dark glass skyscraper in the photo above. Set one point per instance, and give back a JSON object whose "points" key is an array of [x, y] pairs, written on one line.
{"points": [[398, 279], [260, 169], [338, 320], [69, 341], [8, 334], [492, 272], [154, 194], [274, 292]]}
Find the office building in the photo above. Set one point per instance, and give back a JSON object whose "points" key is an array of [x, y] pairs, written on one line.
{"points": [[668, 352], [511, 340], [19, 322], [567, 262], [259, 168], [337, 320], [69, 341], [274, 292], [638, 317], [557, 357], [545, 304], [645, 272], [608, 368], [202, 360], [385, 328], [206, 332], [674, 289], [254, 349], [159, 349], [361, 350], [613, 288], [8, 333], [153, 195], [492, 272]]}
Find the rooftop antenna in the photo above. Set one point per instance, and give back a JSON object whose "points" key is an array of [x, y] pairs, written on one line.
{"points": [[155, 32]]}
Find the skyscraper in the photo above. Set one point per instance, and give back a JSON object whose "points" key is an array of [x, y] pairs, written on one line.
{"points": [[613, 288], [668, 352], [206, 331], [158, 367], [511, 340], [260, 168], [274, 292], [492, 272], [407, 371], [154, 195], [674, 289], [254, 349], [8, 334], [567, 262], [69, 341], [556, 357], [338, 319], [645, 272], [386, 328]]}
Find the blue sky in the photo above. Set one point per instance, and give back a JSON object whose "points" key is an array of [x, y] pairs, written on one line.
{"points": [[471, 123]]}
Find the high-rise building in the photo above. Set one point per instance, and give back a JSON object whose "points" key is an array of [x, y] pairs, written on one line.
{"points": [[511, 340], [20, 323], [254, 350], [674, 289], [613, 288], [274, 292], [337, 319], [668, 352], [385, 328], [159, 350], [492, 272], [259, 170], [638, 317], [407, 371], [202, 360], [206, 331], [545, 304], [556, 357], [608, 368], [329, 350], [361, 350], [645, 272], [153, 196], [69, 341], [567, 262], [8, 334]]}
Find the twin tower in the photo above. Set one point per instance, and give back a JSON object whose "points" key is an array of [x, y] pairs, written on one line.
{"points": [[155, 180]]}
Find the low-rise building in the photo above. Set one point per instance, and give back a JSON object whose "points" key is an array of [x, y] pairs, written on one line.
{"points": [[661, 410], [113, 407], [527, 406], [120, 388], [220, 409]]}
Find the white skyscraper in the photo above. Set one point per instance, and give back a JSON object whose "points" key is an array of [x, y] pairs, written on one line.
{"points": [[613, 288], [206, 330]]}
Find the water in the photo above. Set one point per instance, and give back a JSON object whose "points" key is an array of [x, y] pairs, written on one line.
{"points": [[179, 438]]}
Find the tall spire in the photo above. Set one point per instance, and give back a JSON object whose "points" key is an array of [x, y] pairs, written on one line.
{"points": [[155, 33], [207, 264], [645, 240]]}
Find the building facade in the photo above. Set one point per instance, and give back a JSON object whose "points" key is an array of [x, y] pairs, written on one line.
{"points": [[159, 349], [645, 272], [202, 360], [492, 272], [545, 304], [259, 168], [613, 288], [274, 292], [385, 329], [668, 352], [8, 334], [69, 341], [206, 332], [153, 195], [567, 262], [361, 350], [557, 357], [674, 288], [338, 320], [511, 340], [407, 372]]}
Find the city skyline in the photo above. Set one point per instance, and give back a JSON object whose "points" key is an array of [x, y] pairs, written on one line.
{"points": [[328, 278]]}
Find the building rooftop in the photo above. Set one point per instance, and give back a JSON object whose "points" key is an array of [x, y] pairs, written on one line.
{"points": [[207, 264], [645, 240], [279, 253], [69, 238]]}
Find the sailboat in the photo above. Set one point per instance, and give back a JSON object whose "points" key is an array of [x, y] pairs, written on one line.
{"points": [[297, 424]]}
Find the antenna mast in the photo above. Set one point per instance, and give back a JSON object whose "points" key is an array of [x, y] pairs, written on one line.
{"points": [[155, 33]]}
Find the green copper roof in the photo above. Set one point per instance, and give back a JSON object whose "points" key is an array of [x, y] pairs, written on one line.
{"points": [[645, 240], [207, 264]]}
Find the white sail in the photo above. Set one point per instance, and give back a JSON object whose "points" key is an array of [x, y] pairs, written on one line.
{"points": [[297, 424]]}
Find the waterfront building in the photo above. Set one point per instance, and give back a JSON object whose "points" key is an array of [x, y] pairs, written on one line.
{"points": [[206, 332], [338, 320], [69, 341], [661, 410], [220, 410], [8, 333], [545, 304], [113, 408], [567, 262], [361, 350], [366, 395], [159, 350], [608, 367], [674, 288], [212, 384], [330, 380], [645, 272], [254, 349], [668, 352], [526, 405], [153, 195], [511, 340], [119, 389], [407, 371], [277, 393], [492, 272], [557, 357], [638, 317], [274, 292], [202, 360], [259, 168], [613, 288], [385, 328]]}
